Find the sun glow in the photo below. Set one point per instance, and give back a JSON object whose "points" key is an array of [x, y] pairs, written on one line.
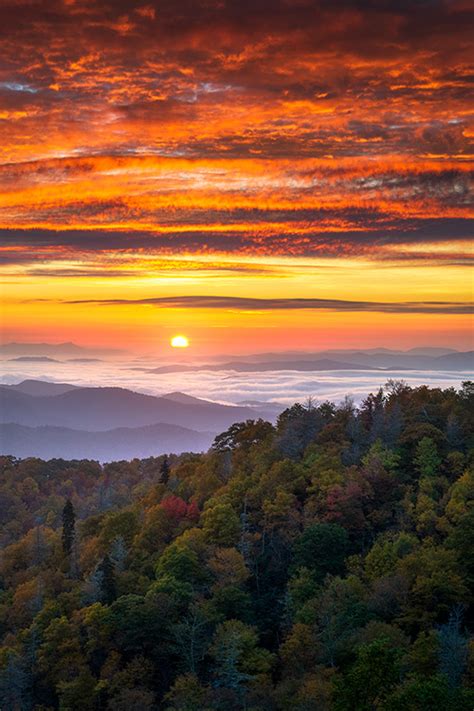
{"points": [[210, 168], [179, 342]]}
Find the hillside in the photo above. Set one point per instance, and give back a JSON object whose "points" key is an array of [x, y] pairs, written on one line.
{"points": [[261, 366], [96, 409], [38, 388], [426, 359], [323, 563], [121, 443]]}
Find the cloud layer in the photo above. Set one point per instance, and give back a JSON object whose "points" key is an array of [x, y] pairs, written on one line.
{"points": [[299, 127], [317, 150], [252, 304]]}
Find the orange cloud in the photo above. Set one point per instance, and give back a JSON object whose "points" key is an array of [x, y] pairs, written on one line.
{"points": [[322, 130]]}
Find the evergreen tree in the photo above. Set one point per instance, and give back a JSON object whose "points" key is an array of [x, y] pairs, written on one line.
{"points": [[69, 527], [165, 470], [108, 587]]}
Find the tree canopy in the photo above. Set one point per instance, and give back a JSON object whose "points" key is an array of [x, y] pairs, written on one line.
{"points": [[323, 563]]}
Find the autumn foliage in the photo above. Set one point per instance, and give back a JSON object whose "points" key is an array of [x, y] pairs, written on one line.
{"points": [[323, 563]]}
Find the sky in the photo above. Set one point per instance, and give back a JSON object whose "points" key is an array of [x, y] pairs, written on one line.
{"points": [[256, 175]]}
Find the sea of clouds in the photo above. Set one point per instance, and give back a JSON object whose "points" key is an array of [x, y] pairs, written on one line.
{"points": [[281, 386]]}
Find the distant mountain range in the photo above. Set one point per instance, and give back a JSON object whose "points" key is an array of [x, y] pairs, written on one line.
{"points": [[37, 403], [248, 367], [430, 358], [34, 359], [38, 388], [305, 355], [120, 443], [381, 359], [55, 350], [43, 419], [39, 418], [340, 352]]}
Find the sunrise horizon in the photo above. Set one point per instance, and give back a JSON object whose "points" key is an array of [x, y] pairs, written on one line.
{"points": [[244, 175]]}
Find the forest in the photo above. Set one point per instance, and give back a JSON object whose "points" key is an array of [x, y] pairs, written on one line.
{"points": [[323, 563]]}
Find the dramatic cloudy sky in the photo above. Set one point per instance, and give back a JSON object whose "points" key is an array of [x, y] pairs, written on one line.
{"points": [[253, 173]]}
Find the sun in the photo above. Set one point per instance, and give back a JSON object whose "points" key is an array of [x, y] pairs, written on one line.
{"points": [[179, 342]]}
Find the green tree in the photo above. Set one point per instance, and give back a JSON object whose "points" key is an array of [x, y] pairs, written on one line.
{"points": [[186, 694], [137, 622], [221, 524], [60, 656], [427, 461], [180, 562], [78, 693], [436, 584], [242, 435], [429, 694], [322, 548], [370, 680]]}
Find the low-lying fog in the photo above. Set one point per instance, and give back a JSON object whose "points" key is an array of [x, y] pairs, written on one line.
{"points": [[283, 386]]}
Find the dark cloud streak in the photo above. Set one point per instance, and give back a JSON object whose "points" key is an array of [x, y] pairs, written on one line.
{"points": [[254, 304]]}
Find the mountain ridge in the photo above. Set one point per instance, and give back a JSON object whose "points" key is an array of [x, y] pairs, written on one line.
{"points": [[50, 442], [95, 409], [360, 360], [66, 348]]}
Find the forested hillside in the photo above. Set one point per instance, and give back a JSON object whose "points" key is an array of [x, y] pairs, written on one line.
{"points": [[325, 563]]}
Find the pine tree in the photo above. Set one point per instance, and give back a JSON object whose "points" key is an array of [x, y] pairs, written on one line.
{"points": [[165, 470], [108, 585], [69, 526]]}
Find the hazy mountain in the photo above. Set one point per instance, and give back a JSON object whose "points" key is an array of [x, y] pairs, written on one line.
{"points": [[431, 350], [336, 353], [55, 349], [450, 361], [248, 367], [39, 388], [302, 365], [270, 410], [44, 419], [373, 359], [456, 361], [95, 409], [121, 443], [34, 359], [177, 368], [84, 360], [186, 399]]}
